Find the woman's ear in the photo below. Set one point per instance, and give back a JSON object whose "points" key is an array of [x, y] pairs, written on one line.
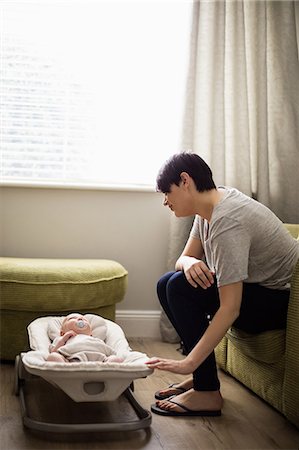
{"points": [[185, 177]]}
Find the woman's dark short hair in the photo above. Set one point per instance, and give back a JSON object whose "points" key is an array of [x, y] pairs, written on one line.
{"points": [[191, 163]]}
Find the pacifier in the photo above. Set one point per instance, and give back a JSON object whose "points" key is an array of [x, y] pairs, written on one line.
{"points": [[80, 323]]}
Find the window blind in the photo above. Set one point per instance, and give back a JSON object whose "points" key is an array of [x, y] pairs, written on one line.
{"points": [[91, 92]]}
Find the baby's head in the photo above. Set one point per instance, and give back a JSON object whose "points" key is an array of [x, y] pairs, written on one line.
{"points": [[75, 322]]}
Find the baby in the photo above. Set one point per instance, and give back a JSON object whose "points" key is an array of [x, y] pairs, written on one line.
{"points": [[76, 343]]}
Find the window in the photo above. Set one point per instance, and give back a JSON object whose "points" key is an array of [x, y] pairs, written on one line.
{"points": [[92, 91]]}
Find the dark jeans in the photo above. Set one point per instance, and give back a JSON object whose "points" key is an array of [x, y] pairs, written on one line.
{"points": [[189, 310]]}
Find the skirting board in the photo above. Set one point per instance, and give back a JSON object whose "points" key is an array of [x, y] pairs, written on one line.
{"points": [[137, 323]]}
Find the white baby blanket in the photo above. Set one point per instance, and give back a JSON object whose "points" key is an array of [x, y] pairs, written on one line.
{"points": [[85, 348]]}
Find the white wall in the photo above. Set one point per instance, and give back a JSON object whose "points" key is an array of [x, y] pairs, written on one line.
{"points": [[127, 226]]}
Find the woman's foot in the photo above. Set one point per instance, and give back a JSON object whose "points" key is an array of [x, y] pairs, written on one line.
{"points": [[193, 401], [174, 389]]}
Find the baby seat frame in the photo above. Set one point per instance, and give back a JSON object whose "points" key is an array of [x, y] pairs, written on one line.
{"points": [[25, 381]]}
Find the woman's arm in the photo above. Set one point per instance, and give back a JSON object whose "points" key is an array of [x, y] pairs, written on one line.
{"points": [[230, 302], [195, 270]]}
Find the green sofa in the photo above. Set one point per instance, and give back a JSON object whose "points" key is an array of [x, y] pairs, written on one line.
{"points": [[268, 363], [35, 287]]}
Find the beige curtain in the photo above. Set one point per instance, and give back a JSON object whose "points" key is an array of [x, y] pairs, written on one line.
{"points": [[242, 103]]}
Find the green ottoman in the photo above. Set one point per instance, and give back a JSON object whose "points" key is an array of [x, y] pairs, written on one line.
{"points": [[31, 288]]}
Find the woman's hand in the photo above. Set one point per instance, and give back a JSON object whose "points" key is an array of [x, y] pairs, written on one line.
{"points": [[184, 366], [197, 272]]}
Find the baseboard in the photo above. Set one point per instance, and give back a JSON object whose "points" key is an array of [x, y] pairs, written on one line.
{"points": [[137, 323]]}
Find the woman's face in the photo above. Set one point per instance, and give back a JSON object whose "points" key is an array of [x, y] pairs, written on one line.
{"points": [[77, 323], [179, 200]]}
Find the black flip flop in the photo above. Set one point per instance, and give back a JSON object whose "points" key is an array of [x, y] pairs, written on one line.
{"points": [[180, 390], [187, 412]]}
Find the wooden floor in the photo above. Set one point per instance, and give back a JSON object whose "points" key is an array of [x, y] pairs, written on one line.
{"points": [[247, 423]]}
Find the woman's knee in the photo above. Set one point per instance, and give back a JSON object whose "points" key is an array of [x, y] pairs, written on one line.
{"points": [[171, 287], [162, 283], [181, 294], [178, 283]]}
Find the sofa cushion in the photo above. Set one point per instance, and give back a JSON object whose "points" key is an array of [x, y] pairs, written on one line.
{"points": [[293, 228], [266, 380], [267, 347], [39, 284]]}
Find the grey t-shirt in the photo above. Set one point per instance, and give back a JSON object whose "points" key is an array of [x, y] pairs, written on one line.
{"points": [[245, 241]]}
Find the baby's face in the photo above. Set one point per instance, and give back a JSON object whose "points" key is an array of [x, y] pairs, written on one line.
{"points": [[77, 323]]}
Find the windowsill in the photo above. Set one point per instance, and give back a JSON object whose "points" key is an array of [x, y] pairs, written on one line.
{"points": [[96, 187]]}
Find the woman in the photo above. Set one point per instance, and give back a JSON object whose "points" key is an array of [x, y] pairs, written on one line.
{"points": [[234, 270]]}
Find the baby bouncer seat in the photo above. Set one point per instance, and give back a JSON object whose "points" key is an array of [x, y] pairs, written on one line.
{"points": [[81, 396]]}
